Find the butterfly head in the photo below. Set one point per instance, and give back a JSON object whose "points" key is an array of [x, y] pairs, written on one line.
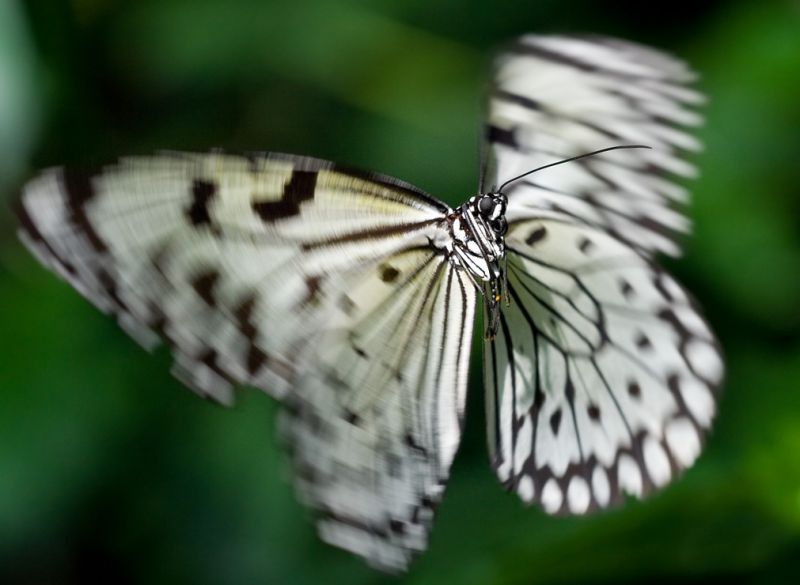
{"points": [[491, 207]]}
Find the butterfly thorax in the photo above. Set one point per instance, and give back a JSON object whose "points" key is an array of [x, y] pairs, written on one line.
{"points": [[478, 229]]}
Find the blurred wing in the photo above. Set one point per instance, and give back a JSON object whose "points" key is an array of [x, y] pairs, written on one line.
{"points": [[377, 416], [231, 259], [554, 97], [603, 376]]}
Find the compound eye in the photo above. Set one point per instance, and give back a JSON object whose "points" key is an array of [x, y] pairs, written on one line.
{"points": [[500, 226], [485, 205]]}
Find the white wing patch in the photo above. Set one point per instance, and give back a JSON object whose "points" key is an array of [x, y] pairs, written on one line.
{"points": [[603, 376], [557, 96], [376, 418]]}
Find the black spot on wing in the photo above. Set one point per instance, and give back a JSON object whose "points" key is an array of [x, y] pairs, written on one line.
{"points": [[203, 284], [202, 193], [313, 290], [497, 135], [555, 421], [300, 188], [78, 191], [625, 288], [538, 400], [351, 417], [643, 342], [210, 359], [536, 235], [256, 358], [389, 273], [243, 314], [585, 245], [569, 391]]}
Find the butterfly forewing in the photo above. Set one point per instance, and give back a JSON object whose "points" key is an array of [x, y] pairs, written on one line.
{"points": [[554, 97], [206, 249]]}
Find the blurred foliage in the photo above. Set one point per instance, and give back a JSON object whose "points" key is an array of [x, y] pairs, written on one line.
{"points": [[18, 100], [110, 470]]}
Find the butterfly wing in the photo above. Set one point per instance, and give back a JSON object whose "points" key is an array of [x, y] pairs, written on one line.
{"points": [[554, 97], [603, 377], [317, 284], [377, 416], [226, 257]]}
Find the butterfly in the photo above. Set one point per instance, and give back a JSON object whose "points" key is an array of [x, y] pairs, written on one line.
{"points": [[351, 297]]}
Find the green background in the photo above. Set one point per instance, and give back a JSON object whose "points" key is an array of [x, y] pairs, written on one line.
{"points": [[110, 471]]}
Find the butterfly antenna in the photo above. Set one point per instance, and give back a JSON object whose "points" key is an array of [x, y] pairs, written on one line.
{"points": [[566, 160]]}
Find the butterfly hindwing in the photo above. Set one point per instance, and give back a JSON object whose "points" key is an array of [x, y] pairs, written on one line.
{"points": [[376, 417], [554, 97], [603, 376]]}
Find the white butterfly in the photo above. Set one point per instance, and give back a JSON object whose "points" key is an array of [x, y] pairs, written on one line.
{"points": [[351, 296]]}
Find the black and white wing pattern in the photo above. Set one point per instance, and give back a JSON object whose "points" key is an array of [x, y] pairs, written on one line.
{"points": [[317, 284], [226, 257], [603, 376], [554, 97], [376, 418], [602, 379]]}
